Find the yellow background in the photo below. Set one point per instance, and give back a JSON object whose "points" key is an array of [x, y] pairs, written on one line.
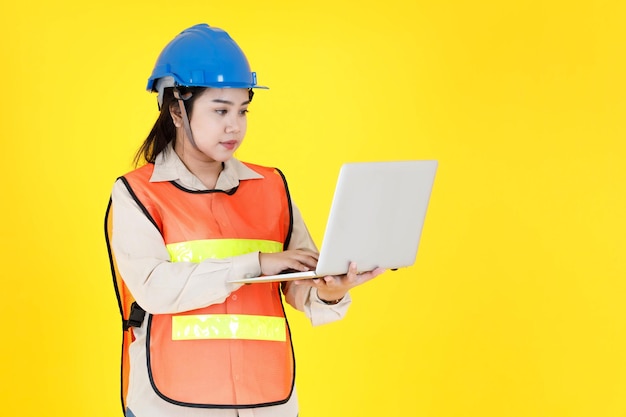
{"points": [[515, 304]]}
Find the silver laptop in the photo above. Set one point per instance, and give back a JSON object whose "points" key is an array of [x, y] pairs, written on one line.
{"points": [[376, 219]]}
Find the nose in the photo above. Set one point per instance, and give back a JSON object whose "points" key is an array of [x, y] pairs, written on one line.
{"points": [[233, 125]]}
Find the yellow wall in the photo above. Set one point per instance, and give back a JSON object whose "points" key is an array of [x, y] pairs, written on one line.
{"points": [[515, 305]]}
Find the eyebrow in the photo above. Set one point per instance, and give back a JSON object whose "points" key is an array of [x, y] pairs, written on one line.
{"points": [[219, 100]]}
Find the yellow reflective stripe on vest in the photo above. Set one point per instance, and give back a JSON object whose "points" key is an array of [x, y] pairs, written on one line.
{"points": [[228, 326], [198, 250]]}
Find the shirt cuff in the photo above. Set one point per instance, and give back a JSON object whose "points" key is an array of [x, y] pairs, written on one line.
{"points": [[321, 313], [316, 297], [246, 266]]}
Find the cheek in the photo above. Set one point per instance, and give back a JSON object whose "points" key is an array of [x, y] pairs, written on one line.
{"points": [[204, 124]]}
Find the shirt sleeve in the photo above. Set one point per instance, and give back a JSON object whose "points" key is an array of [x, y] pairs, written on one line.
{"points": [[305, 298], [161, 286]]}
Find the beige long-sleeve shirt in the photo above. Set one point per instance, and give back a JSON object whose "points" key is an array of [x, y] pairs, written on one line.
{"points": [[161, 286]]}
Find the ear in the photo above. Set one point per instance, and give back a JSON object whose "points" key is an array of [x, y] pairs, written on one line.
{"points": [[175, 114]]}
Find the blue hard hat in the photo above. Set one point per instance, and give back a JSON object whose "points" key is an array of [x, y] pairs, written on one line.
{"points": [[202, 56]]}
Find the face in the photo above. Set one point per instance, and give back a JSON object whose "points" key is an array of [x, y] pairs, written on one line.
{"points": [[218, 124]]}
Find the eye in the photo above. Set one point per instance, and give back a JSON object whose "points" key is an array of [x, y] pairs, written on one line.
{"points": [[243, 112], [221, 112]]}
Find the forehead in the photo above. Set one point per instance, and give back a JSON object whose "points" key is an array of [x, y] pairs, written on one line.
{"points": [[236, 96]]}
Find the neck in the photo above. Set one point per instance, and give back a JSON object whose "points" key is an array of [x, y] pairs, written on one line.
{"points": [[206, 170]]}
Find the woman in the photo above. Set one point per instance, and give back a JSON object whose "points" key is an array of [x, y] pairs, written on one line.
{"points": [[191, 219]]}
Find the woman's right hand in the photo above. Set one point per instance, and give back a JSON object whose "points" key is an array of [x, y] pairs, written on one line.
{"points": [[296, 259]]}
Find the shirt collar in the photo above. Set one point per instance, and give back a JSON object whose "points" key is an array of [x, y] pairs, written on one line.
{"points": [[169, 167]]}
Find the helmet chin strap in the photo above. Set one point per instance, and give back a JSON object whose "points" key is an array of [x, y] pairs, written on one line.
{"points": [[183, 113]]}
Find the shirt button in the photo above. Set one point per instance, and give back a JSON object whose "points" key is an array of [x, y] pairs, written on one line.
{"points": [[234, 297]]}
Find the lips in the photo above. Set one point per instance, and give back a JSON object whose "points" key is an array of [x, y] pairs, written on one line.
{"points": [[230, 144]]}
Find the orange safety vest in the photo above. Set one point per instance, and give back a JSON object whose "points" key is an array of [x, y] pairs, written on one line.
{"points": [[237, 354]]}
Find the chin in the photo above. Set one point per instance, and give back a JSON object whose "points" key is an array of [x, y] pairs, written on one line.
{"points": [[223, 158]]}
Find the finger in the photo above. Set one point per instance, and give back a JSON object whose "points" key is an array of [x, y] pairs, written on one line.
{"points": [[376, 272], [298, 266], [307, 253], [353, 273], [300, 263], [370, 275], [308, 282], [305, 259], [313, 255]]}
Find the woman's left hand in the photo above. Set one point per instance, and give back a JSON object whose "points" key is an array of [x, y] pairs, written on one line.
{"points": [[333, 288]]}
